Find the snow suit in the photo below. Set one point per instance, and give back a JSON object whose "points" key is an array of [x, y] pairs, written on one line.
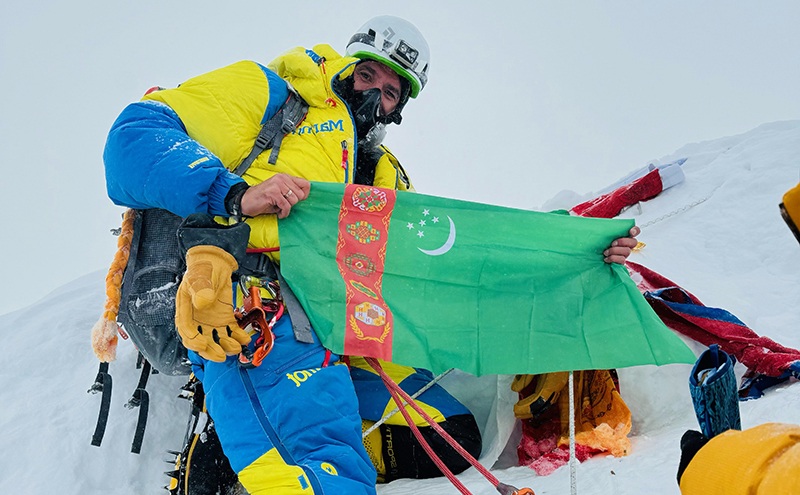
{"points": [[292, 425]]}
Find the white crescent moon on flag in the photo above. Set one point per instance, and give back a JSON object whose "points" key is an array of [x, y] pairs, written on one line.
{"points": [[451, 239]]}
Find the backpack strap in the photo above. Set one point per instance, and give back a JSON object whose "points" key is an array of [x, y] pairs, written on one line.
{"points": [[140, 399], [271, 135], [102, 383], [285, 121]]}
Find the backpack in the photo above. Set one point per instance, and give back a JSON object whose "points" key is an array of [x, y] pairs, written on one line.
{"points": [[149, 286]]}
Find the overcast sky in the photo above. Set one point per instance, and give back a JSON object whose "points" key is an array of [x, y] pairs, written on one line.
{"points": [[525, 98]]}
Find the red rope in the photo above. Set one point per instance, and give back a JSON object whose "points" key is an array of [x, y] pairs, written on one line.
{"points": [[390, 385], [466, 455], [263, 250]]}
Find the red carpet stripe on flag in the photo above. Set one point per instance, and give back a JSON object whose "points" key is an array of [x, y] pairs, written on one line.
{"points": [[361, 256]]}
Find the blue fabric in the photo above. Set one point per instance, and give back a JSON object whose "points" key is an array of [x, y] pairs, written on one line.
{"points": [[150, 135], [266, 427], [311, 412], [373, 395], [278, 94], [715, 399], [316, 58], [690, 307], [753, 387]]}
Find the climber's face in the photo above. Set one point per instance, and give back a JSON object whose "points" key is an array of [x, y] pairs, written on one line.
{"points": [[370, 74]]}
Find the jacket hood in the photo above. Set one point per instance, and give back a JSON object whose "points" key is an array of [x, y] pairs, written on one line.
{"points": [[310, 71]]}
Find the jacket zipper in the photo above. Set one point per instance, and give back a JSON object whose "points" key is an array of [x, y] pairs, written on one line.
{"points": [[347, 178], [344, 154]]}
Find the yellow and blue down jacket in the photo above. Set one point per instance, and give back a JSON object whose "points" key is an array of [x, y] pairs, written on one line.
{"points": [[224, 110]]}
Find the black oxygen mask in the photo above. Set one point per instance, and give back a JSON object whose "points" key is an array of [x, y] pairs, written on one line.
{"points": [[365, 107]]}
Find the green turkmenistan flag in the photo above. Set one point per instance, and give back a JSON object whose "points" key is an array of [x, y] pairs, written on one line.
{"points": [[439, 283]]}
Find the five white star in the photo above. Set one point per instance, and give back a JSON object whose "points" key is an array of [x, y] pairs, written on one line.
{"points": [[422, 223]]}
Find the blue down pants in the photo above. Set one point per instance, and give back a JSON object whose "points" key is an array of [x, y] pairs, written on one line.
{"points": [[289, 426]]}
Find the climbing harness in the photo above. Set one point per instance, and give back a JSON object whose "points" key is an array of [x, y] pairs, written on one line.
{"points": [[253, 313], [105, 332], [140, 399]]}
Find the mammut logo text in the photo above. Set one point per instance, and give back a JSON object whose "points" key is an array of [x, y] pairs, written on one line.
{"points": [[324, 127]]}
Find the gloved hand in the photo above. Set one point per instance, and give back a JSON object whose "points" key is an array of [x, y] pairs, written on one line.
{"points": [[204, 305], [691, 443]]}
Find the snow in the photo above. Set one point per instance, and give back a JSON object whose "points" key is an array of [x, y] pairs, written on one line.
{"points": [[718, 234]]}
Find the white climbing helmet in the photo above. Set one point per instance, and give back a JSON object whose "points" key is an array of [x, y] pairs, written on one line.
{"points": [[398, 44]]}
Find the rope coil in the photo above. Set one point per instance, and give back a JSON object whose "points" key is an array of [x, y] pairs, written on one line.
{"points": [[104, 332]]}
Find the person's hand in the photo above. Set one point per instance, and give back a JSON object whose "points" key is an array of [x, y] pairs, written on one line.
{"points": [[275, 195], [204, 305], [691, 443], [621, 248]]}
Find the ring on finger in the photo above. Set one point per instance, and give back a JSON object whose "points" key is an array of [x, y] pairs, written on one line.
{"points": [[288, 193]]}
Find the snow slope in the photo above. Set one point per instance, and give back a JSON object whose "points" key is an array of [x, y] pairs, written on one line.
{"points": [[719, 235]]}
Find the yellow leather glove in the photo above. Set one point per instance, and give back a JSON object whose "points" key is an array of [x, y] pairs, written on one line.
{"points": [[541, 396], [204, 305]]}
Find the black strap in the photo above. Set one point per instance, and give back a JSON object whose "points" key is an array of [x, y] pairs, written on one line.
{"points": [[271, 135], [272, 132], [300, 324], [262, 266], [140, 399], [102, 383], [141, 423]]}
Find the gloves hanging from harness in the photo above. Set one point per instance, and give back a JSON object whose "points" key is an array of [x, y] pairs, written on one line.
{"points": [[204, 303]]}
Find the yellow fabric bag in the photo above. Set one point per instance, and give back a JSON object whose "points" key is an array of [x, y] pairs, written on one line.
{"points": [[602, 419]]}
